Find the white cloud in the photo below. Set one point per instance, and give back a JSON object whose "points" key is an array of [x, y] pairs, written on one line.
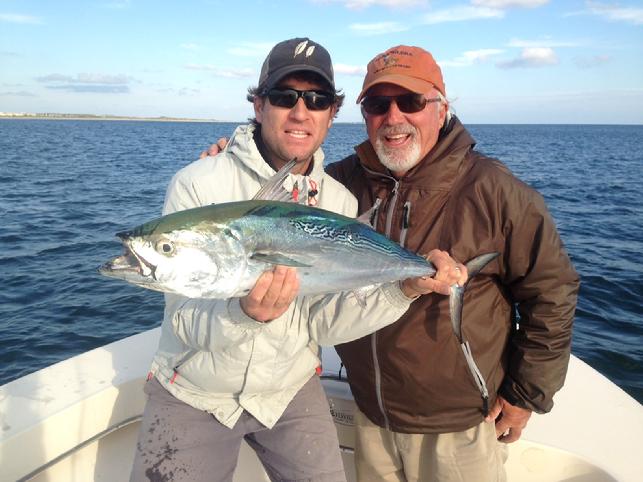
{"points": [[380, 28], [461, 14], [189, 46], [86, 78], [186, 91], [546, 42], [509, 3], [183, 91], [19, 18], [87, 82], [531, 57], [217, 71], [103, 79], [616, 13], [362, 4], [19, 93], [349, 69], [470, 57], [591, 62], [251, 49]]}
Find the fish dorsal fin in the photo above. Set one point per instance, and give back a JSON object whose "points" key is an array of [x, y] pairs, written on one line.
{"points": [[278, 258], [367, 217], [273, 190]]}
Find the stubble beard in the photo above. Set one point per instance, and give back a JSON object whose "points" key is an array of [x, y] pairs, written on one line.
{"points": [[397, 159]]}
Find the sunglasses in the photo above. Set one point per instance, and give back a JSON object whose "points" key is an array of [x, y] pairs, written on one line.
{"points": [[407, 103], [314, 100]]}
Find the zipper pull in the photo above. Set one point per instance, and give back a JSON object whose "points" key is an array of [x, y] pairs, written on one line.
{"points": [[406, 215]]}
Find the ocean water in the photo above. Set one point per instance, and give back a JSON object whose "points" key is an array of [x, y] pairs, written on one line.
{"points": [[66, 187]]}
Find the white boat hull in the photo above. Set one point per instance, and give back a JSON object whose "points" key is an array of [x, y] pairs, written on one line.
{"points": [[78, 421]]}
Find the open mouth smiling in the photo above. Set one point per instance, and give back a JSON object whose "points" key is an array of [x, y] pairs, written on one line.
{"points": [[297, 134]]}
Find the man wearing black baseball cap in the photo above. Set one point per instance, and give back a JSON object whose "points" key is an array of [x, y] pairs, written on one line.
{"points": [[245, 368]]}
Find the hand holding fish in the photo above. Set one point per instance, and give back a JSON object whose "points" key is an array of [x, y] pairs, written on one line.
{"points": [[449, 272], [272, 294]]}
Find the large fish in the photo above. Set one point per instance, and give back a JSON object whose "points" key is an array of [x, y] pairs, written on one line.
{"points": [[219, 251]]}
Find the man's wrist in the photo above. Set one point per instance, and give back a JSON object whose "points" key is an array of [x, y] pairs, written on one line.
{"points": [[410, 293]]}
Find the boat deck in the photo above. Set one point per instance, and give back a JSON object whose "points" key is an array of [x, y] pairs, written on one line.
{"points": [[78, 420]]}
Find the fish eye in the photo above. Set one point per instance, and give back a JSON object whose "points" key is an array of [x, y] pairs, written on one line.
{"points": [[165, 247]]}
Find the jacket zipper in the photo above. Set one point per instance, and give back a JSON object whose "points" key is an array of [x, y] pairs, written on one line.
{"points": [[406, 216], [376, 366], [391, 208]]}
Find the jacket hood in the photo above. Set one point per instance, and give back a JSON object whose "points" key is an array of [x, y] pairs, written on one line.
{"points": [[438, 167]]}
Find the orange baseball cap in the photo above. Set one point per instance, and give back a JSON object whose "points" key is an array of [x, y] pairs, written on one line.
{"points": [[410, 67]]}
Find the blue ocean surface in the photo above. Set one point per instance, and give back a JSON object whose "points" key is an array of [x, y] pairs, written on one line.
{"points": [[66, 187]]}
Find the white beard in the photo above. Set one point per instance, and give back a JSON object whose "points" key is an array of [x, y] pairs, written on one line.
{"points": [[398, 159]]}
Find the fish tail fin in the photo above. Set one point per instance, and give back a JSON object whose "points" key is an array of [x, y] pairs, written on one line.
{"points": [[476, 264], [456, 299]]}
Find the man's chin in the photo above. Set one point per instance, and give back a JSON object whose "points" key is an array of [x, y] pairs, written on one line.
{"points": [[398, 161], [300, 154]]}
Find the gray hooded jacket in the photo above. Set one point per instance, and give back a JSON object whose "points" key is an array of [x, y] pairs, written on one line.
{"points": [[213, 356]]}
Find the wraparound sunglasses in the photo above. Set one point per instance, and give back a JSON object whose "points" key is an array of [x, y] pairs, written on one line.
{"points": [[313, 99], [407, 103]]}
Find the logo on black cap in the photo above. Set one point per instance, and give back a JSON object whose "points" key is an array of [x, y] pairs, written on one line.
{"points": [[300, 48]]}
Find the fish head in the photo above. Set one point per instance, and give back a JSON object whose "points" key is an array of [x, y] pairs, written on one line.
{"points": [[190, 262]]}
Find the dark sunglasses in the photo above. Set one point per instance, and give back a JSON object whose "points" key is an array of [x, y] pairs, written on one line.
{"points": [[314, 100], [407, 103]]}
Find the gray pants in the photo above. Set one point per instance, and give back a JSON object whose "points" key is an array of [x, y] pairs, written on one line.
{"points": [[180, 443]]}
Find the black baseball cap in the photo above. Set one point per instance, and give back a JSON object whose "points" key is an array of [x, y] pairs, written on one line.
{"points": [[295, 55]]}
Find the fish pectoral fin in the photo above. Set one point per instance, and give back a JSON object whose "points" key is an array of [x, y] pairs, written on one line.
{"points": [[360, 296], [277, 258], [368, 217]]}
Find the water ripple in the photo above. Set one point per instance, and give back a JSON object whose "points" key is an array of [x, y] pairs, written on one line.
{"points": [[96, 178]]}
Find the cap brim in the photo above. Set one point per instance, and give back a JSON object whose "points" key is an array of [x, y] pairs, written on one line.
{"points": [[419, 86], [279, 74]]}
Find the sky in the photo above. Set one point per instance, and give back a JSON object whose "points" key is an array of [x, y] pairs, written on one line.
{"points": [[504, 61]]}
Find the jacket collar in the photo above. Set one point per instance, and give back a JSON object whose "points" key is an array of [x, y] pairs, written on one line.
{"points": [[439, 166]]}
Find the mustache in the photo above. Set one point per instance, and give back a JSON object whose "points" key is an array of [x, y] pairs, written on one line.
{"points": [[396, 130]]}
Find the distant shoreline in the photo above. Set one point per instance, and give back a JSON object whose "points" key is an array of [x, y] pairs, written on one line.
{"points": [[55, 116], [102, 117]]}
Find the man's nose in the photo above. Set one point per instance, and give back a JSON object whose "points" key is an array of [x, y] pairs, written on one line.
{"points": [[299, 110], [394, 114]]}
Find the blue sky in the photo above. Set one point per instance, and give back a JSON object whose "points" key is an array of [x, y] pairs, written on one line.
{"points": [[504, 61]]}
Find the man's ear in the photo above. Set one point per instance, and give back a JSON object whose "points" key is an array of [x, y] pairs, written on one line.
{"points": [[333, 111], [258, 105], [444, 108]]}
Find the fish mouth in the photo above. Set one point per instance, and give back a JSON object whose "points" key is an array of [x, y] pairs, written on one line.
{"points": [[130, 266]]}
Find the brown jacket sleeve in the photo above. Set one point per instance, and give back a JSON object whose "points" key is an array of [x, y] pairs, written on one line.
{"points": [[541, 280]]}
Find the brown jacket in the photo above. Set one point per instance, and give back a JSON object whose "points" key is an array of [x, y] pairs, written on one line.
{"points": [[412, 376]]}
